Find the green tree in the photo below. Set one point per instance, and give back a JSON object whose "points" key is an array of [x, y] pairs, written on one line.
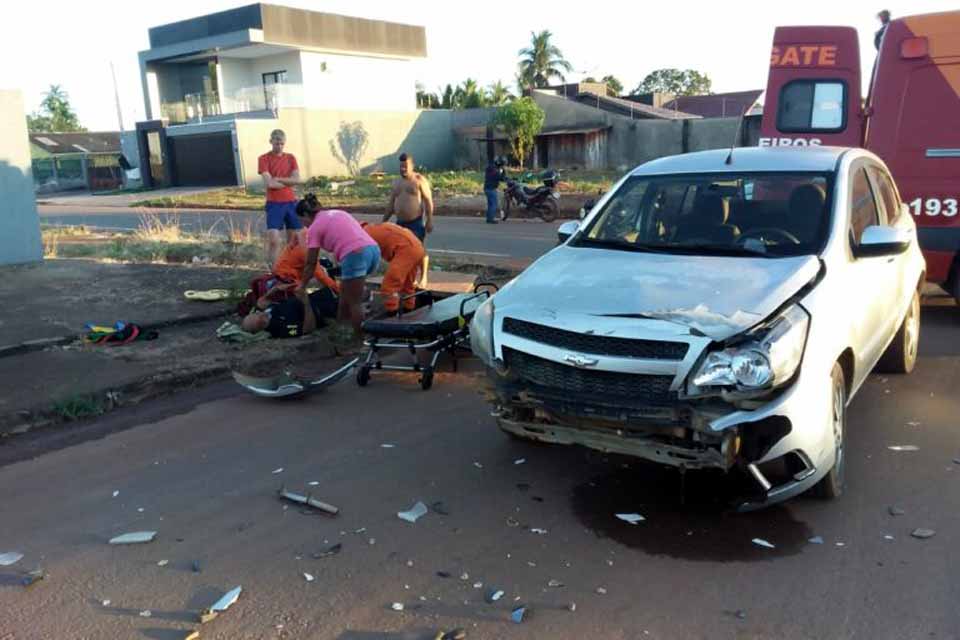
{"points": [[542, 61], [468, 95], [446, 102], [686, 82], [498, 94], [615, 86], [425, 99], [55, 114], [521, 120]]}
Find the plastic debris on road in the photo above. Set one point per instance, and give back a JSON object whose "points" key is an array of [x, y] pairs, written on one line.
{"points": [[116, 493], [815, 540], [888, 537], [309, 501], [225, 602], [136, 537], [760, 542], [33, 577], [631, 518], [896, 511], [903, 447], [328, 552], [196, 566], [10, 558], [415, 512], [388, 446], [519, 461], [397, 606], [923, 534], [493, 596], [538, 531], [513, 523], [314, 483], [163, 563], [601, 591], [308, 577], [454, 634], [105, 603], [555, 584], [518, 614], [478, 465], [146, 613], [572, 607], [276, 471]]}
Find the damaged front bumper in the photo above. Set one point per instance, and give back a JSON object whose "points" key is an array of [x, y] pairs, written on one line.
{"points": [[777, 445]]}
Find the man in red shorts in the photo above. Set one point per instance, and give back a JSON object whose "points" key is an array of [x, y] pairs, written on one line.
{"points": [[280, 173]]}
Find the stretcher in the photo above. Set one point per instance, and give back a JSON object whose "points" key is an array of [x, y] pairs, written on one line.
{"points": [[438, 326]]}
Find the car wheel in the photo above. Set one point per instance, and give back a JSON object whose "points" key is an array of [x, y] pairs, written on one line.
{"points": [[831, 485], [901, 355]]}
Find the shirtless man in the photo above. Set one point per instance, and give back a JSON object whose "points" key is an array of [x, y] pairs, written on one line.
{"points": [[412, 201]]}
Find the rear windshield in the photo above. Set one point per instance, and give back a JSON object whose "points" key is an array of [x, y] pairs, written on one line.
{"points": [[768, 214]]}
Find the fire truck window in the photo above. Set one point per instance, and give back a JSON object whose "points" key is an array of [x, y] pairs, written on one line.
{"points": [[808, 105], [887, 193], [863, 208]]}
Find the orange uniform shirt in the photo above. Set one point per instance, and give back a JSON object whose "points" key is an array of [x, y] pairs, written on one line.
{"points": [[393, 239], [291, 261], [278, 166]]}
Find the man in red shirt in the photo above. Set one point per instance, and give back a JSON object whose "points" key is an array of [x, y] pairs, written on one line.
{"points": [[280, 172]]}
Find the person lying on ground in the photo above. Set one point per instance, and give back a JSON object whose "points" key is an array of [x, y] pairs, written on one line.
{"points": [[290, 263], [403, 251], [338, 233], [293, 317]]}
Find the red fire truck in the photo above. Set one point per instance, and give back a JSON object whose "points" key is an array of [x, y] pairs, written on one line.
{"points": [[910, 118]]}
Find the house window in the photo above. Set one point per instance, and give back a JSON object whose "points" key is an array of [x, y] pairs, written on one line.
{"points": [[811, 106], [270, 88]]}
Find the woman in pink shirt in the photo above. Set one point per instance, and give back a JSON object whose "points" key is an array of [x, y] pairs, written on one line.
{"points": [[337, 232]]}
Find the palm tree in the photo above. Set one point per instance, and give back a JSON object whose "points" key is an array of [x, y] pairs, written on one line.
{"points": [[542, 61], [498, 94], [468, 95]]}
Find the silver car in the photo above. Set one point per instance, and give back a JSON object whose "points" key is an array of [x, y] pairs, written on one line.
{"points": [[715, 310]]}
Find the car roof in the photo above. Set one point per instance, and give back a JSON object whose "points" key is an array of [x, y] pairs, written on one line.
{"points": [[814, 158]]}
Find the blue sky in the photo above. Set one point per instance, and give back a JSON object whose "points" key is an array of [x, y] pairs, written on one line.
{"points": [[73, 43]]}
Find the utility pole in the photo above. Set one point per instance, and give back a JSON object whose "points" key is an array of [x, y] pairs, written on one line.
{"points": [[116, 96]]}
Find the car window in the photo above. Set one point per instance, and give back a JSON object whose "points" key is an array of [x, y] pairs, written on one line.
{"points": [[769, 213], [887, 193], [808, 105], [863, 206]]}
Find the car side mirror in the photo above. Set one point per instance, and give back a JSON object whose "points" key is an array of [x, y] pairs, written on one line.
{"points": [[879, 241], [567, 229]]}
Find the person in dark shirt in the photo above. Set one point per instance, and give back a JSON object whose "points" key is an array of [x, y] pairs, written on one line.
{"points": [[492, 178], [884, 17], [293, 317]]}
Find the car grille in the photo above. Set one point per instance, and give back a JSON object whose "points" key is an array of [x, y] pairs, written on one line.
{"points": [[584, 384], [600, 345]]}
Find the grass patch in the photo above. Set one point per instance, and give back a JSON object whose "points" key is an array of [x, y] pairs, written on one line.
{"points": [[79, 407]]}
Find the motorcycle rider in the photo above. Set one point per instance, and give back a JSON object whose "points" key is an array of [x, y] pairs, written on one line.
{"points": [[493, 176]]}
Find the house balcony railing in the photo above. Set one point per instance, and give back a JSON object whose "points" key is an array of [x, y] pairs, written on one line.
{"points": [[197, 107]]}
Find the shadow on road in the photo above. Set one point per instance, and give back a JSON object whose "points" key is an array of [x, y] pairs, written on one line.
{"points": [[383, 635], [687, 519]]}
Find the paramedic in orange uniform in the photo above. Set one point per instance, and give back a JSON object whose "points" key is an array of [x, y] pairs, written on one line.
{"points": [[401, 248], [293, 258]]}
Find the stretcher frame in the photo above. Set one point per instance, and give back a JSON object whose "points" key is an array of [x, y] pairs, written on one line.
{"points": [[444, 342]]}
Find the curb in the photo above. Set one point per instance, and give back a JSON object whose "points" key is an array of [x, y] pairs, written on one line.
{"points": [[40, 344]]}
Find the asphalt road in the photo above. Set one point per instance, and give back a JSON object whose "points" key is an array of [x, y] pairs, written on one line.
{"points": [[524, 239], [202, 469]]}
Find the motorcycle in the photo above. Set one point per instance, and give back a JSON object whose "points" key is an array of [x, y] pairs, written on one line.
{"points": [[542, 201]]}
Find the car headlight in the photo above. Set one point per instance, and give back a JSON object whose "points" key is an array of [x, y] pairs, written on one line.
{"points": [[481, 332], [768, 358]]}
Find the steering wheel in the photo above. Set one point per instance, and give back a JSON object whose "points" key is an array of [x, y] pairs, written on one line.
{"points": [[766, 233]]}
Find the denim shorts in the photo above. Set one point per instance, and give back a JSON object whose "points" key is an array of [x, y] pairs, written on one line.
{"points": [[417, 226], [360, 263], [282, 215]]}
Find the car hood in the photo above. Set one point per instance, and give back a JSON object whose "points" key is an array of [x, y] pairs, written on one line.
{"points": [[718, 296]]}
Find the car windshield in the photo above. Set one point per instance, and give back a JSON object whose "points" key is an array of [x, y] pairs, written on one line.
{"points": [[762, 214]]}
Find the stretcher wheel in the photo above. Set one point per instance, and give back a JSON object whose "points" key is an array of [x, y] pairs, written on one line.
{"points": [[426, 378], [363, 376]]}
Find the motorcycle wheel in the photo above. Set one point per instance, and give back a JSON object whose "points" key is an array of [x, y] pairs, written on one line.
{"points": [[549, 210], [507, 201]]}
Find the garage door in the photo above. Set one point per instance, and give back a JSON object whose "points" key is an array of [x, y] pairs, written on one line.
{"points": [[203, 160]]}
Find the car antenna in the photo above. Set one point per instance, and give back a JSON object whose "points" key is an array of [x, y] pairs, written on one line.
{"points": [[736, 137]]}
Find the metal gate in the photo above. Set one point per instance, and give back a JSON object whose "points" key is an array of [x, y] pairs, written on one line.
{"points": [[203, 159]]}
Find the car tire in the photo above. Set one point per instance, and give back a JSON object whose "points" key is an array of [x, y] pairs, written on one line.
{"points": [[831, 485], [901, 355]]}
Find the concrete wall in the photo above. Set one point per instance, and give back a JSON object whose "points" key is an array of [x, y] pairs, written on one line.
{"points": [[357, 82], [428, 135], [19, 223]]}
